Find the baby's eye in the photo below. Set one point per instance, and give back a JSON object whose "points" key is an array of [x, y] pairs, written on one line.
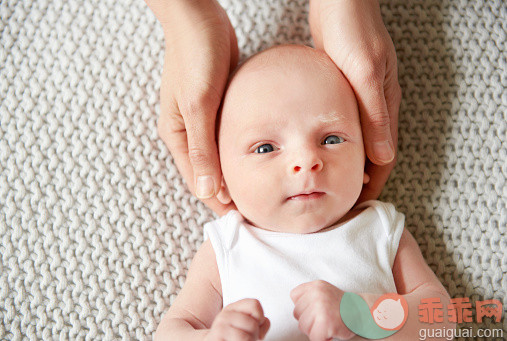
{"points": [[265, 148], [333, 139]]}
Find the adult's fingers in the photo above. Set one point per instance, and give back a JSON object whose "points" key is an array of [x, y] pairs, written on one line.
{"points": [[199, 114], [201, 50], [375, 120], [354, 36], [171, 129], [380, 173]]}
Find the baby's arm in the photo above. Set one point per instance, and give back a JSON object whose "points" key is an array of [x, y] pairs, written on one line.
{"points": [[415, 281], [197, 313], [317, 303]]}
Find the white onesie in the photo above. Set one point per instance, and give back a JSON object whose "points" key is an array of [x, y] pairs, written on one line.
{"points": [[254, 263]]}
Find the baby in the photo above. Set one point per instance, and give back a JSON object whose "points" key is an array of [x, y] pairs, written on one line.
{"points": [[293, 160]]}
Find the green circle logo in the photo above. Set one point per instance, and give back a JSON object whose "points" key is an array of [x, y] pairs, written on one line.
{"points": [[386, 317]]}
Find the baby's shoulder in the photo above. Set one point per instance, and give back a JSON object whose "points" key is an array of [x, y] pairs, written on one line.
{"points": [[204, 266], [221, 232], [384, 209]]}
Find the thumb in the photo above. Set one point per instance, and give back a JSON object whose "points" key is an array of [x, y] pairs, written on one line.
{"points": [[376, 124], [202, 150]]}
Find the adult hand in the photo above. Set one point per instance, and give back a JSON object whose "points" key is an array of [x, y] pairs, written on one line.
{"points": [[201, 50], [353, 34]]}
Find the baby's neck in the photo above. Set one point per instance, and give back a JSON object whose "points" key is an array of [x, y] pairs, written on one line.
{"points": [[344, 219], [348, 216]]}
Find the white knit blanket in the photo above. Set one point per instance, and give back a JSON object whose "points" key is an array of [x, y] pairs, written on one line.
{"points": [[97, 228]]}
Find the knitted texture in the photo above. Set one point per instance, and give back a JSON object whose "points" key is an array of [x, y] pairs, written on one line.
{"points": [[97, 228]]}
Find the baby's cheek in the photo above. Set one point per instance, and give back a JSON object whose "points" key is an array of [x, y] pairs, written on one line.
{"points": [[244, 193], [258, 198]]}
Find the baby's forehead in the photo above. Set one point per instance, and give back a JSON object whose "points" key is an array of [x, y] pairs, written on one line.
{"points": [[279, 75], [286, 59], [287, 63]]}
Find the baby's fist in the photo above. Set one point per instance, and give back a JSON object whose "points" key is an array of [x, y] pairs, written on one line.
{"points": [[317, 308], [243, 320]]}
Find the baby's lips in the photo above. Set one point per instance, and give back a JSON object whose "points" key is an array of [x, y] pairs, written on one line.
{"points": [[307, 195]]}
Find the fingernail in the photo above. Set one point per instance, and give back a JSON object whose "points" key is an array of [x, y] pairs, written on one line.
{"points": [[383, 151], [204, 187]]}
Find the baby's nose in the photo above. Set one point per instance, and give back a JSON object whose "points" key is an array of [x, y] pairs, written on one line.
{"points": [[308, 163]]}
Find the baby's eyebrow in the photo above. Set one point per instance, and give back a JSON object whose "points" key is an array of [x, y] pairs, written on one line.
{"points": [[332, 117]]}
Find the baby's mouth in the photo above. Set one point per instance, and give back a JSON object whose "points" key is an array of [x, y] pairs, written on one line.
{"points": [[306, 196]]}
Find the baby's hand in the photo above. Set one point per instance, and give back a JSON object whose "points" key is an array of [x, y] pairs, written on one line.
{"points": [[242, 320], [317, 308]]}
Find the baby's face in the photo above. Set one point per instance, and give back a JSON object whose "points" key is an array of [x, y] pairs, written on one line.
{"points": [[290, 142]]}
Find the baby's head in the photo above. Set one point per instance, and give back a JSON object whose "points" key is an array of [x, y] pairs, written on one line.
{"points": [[290, 141]]}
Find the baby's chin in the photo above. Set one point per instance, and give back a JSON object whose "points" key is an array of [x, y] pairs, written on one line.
{"points": [[302, 224]]}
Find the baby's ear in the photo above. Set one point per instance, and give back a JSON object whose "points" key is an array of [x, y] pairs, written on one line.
{"points": [[366, 178], [223, 195]]}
